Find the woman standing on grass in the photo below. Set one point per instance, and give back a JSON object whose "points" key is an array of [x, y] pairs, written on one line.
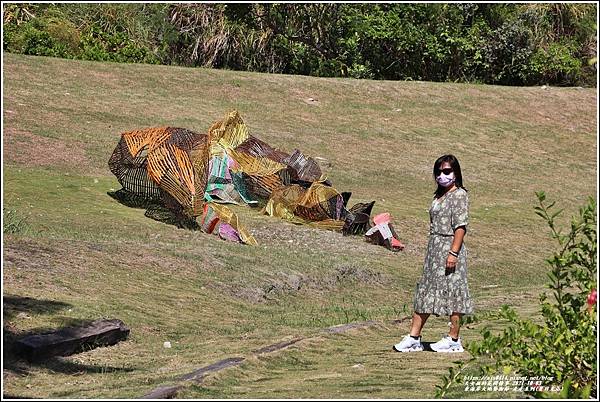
{"points": [[443, 288]]}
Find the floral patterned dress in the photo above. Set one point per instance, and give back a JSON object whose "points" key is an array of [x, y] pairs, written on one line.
{"points": [[439, 292]]}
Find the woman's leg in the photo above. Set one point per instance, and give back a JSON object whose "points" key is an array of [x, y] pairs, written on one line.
{"points": [[418, 321], [454, 325]]}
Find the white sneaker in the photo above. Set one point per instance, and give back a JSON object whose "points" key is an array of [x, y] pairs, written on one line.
{"points": [[408, 344], [447, 345]]}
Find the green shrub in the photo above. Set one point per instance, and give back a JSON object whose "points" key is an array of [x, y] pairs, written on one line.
{"points": [[13, 222], [361, 71], [45, 37], [556, 64], [100, 45], [563, 347], [507, 53]]}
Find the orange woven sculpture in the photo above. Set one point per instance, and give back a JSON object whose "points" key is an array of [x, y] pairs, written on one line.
{"points": [[180, 173], [163, 163]]}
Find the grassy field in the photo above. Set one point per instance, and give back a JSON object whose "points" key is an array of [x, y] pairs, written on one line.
{"points": [[71, 253]]}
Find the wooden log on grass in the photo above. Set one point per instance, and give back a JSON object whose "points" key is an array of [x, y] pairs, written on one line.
{"points": [[166, 392], [277, 346], [70, 340], [198, 375]]}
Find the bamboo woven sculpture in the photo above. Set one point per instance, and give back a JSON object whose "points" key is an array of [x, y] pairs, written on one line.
{"points": [[163, 164], [180, 173]]}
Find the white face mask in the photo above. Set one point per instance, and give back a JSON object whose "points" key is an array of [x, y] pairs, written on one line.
{"points": [[445, 180]]}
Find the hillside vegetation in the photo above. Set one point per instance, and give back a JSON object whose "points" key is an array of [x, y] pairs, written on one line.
{"points": [[508, 44], [71, 253]]}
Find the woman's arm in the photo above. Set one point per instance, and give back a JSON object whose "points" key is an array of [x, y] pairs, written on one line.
{"points": [[459, 235]]}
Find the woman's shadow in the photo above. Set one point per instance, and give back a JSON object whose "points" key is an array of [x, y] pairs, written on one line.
{"points": [[427, 347]]}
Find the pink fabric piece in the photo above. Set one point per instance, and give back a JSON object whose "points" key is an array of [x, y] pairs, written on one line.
{"points": [[397, 244], [231, 164], [227, 232], [381, 218]]}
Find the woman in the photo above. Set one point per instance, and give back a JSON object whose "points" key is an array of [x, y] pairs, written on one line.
{"points": [[443, 288]]}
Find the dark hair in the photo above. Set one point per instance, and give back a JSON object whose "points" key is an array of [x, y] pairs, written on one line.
{"points": [[451, 159]]}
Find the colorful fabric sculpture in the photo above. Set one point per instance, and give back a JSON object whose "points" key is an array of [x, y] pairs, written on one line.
{"points": [[186, 177]]}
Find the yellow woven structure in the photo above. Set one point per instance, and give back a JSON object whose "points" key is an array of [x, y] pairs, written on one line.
{"points": [[255, 165], [192, 175], [283, 202]]}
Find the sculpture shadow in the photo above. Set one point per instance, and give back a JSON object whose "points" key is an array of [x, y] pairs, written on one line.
{"points": [[154, 209]]}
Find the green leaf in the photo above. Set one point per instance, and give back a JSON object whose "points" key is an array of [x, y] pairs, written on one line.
{"points": [[541, 195]]}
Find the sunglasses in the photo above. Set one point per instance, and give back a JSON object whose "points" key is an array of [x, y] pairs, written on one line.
{"points": [[446, 171]]}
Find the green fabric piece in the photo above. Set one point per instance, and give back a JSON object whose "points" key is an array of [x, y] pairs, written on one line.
{"points": [[238, 182], [216, 176]]}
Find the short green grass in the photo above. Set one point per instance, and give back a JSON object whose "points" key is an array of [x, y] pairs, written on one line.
{"points": [[72, 253]]}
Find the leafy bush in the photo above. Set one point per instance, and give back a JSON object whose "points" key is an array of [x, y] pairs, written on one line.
{"points": [[48, 36], [556, 64], [563, 347], [102, 46], [508, 51]]}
